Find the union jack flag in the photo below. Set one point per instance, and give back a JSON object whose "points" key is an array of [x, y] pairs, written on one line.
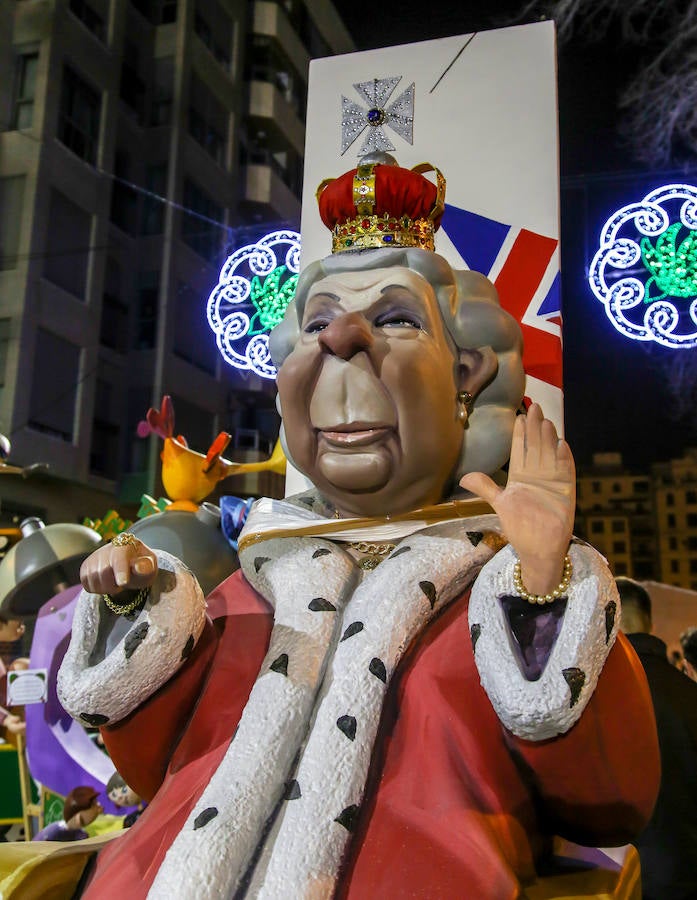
{"points": [[524, 266]]}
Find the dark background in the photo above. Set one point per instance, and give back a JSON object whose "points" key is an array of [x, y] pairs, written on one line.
{"points": [[620, 394]]}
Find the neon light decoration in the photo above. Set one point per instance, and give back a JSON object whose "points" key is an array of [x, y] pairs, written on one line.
{"points": [[256, 285], [645, 271]]}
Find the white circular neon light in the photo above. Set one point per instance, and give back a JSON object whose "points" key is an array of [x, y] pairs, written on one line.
{"points": [[645, 270], [256, 285]]}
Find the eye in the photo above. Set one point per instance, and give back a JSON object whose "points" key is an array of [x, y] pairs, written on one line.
{"points": [[398, 319], [315, 325]]}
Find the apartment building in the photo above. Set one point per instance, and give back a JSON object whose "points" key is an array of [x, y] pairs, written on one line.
{"points": [[615, 514], [140, 141], [645, 524], [675, 492]]}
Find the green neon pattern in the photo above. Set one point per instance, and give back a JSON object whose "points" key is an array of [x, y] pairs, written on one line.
{"points": [[270, 299], [673, 268]]}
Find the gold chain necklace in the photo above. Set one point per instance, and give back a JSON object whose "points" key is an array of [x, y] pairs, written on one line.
{"points": [[373, 554]]}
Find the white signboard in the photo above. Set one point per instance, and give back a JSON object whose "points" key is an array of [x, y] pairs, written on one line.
{"points": [[483, 109], [27, 686]]}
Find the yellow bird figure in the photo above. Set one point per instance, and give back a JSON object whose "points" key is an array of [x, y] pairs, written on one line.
{"points": [[188, 476]]}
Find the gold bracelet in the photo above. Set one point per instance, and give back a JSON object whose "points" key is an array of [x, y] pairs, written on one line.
{"points": [[541, 599], [126, 608]]}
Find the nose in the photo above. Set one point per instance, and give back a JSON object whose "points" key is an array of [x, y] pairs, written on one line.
{"points": [[346, 335]]}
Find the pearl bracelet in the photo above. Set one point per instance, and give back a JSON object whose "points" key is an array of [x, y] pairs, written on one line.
{"points": [[541, 599]]}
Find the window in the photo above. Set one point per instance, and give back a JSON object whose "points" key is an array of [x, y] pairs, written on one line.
{"points": [[194, 423], [691, 497], [153, 209], [619, 547], [202, 223], [641, 487], [618, 526], [620, 568], [89, 17], [124, 199], [267, 62], [692, 520], [67, 256], [104, 450], [673, 543], [53, 395], [148, 299], [131, 85], [597, 527], [163, 80], [616, 487], [113, 332], [25, 88], [78, 127], [693, 566], [213, 26], [193, 339], [208, 121], [674, 566], [11, 206], [671, 520], [595, 487], [670, 499]]}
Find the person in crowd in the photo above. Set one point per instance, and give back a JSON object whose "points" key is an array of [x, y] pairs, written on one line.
{"points": [[11, 722], [668, 845], [688, 642]]}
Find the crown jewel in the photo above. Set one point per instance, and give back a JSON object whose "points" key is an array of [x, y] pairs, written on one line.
{"points": [[380, 204]]}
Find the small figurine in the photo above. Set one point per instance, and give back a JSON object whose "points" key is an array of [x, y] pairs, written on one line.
{"points": [[123, 796], [80, 809]]}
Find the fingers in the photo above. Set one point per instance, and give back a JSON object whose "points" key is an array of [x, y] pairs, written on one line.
{"points": [[536, 444], [112, 569], [481, 485]]}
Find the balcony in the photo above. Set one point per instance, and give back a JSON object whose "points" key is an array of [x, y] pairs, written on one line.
{"points": [[269, 110], [266, 194]]}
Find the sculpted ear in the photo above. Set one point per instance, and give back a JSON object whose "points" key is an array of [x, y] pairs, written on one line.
{"points": [[476, 369]]}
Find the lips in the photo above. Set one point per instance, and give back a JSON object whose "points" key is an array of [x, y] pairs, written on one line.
{"points": [[354, 435]]}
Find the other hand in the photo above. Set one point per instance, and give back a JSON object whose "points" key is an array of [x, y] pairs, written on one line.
{"points": [[536, 508], [112, 569], [14, 724]]}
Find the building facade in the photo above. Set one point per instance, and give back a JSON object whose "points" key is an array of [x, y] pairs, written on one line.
{"points": [[645, 524], [140, 141]]}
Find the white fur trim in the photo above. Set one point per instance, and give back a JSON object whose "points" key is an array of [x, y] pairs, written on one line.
{"points": [[542, 709], [296, 713], [114, 664]]}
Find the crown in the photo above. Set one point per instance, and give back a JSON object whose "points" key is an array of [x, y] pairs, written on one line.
{"points": [[380, 204]]}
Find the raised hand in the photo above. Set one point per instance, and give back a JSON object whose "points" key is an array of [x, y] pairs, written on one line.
{"points": [[118, 567], [536, 508]]}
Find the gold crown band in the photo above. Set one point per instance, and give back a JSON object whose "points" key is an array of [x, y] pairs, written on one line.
{"points": [[367, 232], [364, 190]]}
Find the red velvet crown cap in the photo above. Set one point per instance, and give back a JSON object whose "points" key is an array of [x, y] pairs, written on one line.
{"points": [[398, 192]]}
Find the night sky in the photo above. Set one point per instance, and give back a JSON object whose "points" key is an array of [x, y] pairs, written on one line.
{"points": [[620, 395]]}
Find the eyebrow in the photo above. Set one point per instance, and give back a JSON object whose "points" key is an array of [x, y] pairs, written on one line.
{"points": [[324, 295]]}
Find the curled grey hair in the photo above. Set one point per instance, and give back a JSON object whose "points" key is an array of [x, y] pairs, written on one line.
{"points": [[473, 318]]}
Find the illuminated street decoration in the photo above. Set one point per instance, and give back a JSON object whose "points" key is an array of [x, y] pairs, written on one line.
{"points": [[256, 285], [645, 271]]}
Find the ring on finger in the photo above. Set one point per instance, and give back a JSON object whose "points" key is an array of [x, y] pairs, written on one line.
{"points": [[125, 539]]}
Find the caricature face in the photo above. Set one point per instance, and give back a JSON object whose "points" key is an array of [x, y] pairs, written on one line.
{"points": [[11, 630], [369, 392], [123, 796]]}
